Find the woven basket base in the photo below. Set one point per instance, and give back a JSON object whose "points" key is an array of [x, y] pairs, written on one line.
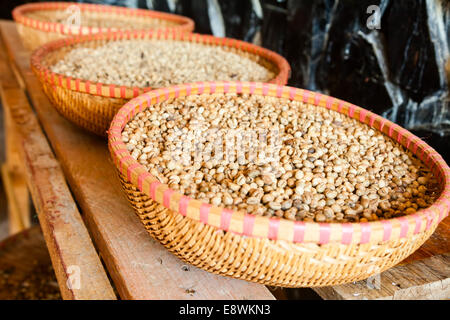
{"points": [[93, 113], [274, 263], [33, 38]]}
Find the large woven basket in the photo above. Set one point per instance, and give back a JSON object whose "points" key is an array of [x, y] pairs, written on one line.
{"points": [[274, 251], [93, 105], [39, 23]]}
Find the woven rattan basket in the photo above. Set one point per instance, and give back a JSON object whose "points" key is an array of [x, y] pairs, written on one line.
{"points": [[39, 23], [93, 105], [274, 251]]}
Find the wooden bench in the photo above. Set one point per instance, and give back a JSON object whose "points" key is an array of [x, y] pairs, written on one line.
{"points": [[86, 219], [20, 255]]}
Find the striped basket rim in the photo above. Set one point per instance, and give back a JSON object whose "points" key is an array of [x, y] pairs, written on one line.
{"points": [[278, 228], [124, 92], [184, 24]]}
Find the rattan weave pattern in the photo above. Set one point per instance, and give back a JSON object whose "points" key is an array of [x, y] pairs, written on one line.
{"points": [[268, 250]]}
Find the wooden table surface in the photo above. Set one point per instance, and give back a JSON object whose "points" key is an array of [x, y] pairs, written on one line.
{"points": [[139, 267], [66, 235]]}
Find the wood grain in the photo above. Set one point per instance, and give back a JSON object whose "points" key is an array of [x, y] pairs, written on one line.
{"points": [[66, 236], [140, 267], [16, 224]]}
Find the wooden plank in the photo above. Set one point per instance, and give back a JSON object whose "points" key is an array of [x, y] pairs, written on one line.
{"points": [[14, 216], [140, 267], [424, 279], [67, 238]]}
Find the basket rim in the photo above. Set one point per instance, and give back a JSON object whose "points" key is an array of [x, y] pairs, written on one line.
{"points": [[184, 24], [279, 228], [125, 92]]}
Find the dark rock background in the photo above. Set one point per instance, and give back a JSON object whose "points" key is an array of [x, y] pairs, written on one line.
{"points": [[396, 70]]}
